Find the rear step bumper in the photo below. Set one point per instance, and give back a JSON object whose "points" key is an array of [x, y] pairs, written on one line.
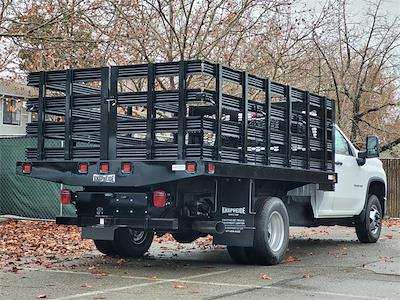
{"points": [[144, 223]]}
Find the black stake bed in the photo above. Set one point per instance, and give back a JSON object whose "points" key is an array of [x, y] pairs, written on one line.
{"points": [[187, 110]]}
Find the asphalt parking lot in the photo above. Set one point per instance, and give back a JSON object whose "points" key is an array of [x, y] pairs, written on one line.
{"points": [[322, 263]]}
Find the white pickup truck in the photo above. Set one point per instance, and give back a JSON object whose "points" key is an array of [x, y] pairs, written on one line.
{"points": [[359, 197]]}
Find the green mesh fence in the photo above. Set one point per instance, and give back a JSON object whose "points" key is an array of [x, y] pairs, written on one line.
{"points": [[24, 196]]}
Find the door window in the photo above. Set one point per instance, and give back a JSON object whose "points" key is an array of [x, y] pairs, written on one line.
{"points": [[341, 145], [11, 111]]}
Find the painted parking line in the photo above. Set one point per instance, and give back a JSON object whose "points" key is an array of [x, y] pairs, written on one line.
{"points": [[250, 287], [92, 274], [189, 280], [139, 285]]}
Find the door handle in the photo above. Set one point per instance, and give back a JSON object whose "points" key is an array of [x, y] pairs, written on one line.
{"points": [[338, 163]]}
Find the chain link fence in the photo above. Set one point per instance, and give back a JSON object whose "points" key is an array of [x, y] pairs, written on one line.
{"points": [[23, 196]]}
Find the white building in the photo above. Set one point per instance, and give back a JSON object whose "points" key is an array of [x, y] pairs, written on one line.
{"points": [[13, 116]]}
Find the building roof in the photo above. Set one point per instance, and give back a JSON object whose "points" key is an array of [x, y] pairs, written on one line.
{"points": [[16, 89]]}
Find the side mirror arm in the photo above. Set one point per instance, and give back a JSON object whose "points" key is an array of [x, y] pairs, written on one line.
{"points": [[361, 158]]}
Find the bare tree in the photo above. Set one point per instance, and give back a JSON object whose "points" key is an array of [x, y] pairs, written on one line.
{"points": [[360, 58], [353, 60]]}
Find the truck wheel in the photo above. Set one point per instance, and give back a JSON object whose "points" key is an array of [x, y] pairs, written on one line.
{"points": [[132, 243], [105, 247], [271, 236], [369, 224]]}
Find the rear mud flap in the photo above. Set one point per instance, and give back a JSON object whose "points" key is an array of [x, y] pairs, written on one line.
{"points": [[98, 233], [235, 208]]}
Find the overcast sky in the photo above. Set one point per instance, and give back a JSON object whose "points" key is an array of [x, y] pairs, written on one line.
{"points": [[360, 6]]}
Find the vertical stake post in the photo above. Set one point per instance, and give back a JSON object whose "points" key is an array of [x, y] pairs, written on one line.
{"points": [[151, 112]]}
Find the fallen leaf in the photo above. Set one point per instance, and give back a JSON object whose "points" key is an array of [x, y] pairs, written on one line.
{"points": [[180, 286], [391, 222], [41, 296], [386, 258], [389, 236], [14, 269], [266, 277], [39, 243], [291, 259], [85, 285], [306, 276]]}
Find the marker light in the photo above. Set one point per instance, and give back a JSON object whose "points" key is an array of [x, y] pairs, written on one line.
{"points": [[126, 167], [191, 167], [26, 168], [210, 168], [104, 168], [83, 168]]}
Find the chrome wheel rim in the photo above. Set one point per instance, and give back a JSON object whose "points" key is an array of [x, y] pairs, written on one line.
{"points": [[276, 231], [136, 236], [374, 219]]}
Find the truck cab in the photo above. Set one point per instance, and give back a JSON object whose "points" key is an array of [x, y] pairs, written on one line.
{"points": [[359, 194]]}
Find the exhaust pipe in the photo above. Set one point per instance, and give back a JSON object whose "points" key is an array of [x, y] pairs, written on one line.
{"points": [[209, 226]]}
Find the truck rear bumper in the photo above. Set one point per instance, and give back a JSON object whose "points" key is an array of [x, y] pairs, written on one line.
{"points": [[143, 223]]}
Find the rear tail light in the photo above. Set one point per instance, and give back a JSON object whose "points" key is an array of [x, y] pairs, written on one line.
{"points": [[65, 196], [26, 168], [83, 168], [104, 168], [191, 167], [210, 168], [126, 167], [159, 198]]}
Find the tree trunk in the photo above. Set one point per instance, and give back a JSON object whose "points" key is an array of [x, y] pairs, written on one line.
{"points": [[355, 120]]}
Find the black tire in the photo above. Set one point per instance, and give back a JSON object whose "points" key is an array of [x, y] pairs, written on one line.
{"points": [[369, 223], [131, 243], [271, 236], [105, 247]]}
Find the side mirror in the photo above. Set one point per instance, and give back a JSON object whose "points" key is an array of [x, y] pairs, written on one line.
{"points": [[372, 146], [372, 150]]}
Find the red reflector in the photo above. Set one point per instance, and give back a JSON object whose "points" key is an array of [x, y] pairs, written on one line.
{"points": [[191, 167], [126, 168], [211, 168], [83, 168], [159, 198], [104, 167], [26, 168], [65, 196]]}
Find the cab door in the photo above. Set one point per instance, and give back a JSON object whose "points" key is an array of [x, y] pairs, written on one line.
{"points": [[351, 177], [344, 200]]}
